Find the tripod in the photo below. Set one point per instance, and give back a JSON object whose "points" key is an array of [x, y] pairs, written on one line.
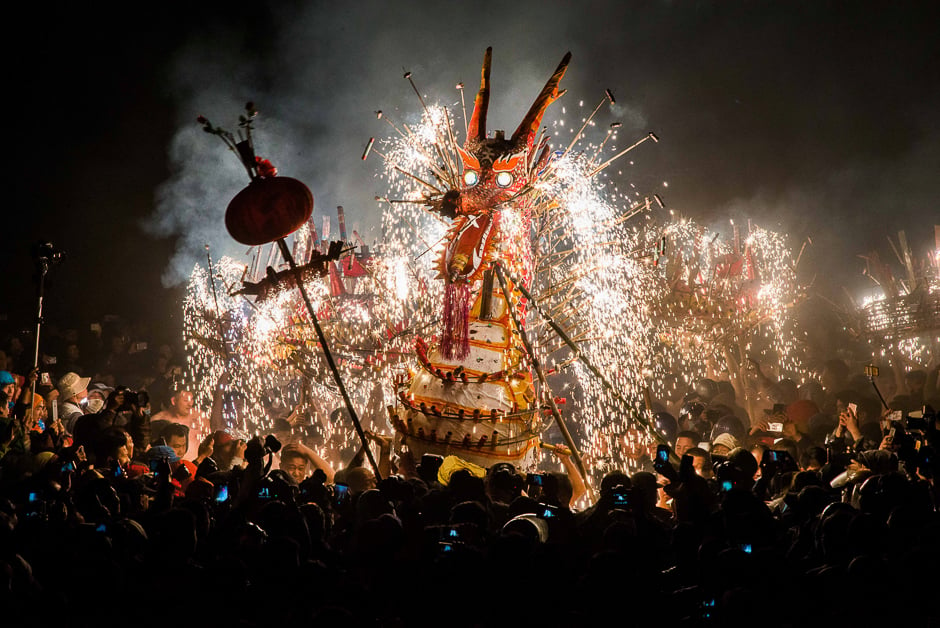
{"points": [[46, 257]]}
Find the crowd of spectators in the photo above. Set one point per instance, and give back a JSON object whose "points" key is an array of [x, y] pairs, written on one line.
{"points": [[822, 511]]}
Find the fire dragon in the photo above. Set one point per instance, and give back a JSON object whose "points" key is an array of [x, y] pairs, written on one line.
{"points": [[471, 393]]}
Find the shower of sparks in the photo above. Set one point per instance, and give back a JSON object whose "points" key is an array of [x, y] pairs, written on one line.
{"points": [[901, 321], [270, 355], [651, 301], [728, 301], [598, 271]]}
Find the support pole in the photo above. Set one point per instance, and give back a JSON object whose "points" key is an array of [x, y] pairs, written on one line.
{"points": [[298, 278], [536, 365], [43, 269], [584, 360], [880, 396]]}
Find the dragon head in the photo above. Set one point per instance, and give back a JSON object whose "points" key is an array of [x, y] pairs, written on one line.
{"points": [[495, 171]]}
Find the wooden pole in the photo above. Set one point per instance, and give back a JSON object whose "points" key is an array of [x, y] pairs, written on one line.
{"points": [[584, 360], [536, 365], [298, 278]]}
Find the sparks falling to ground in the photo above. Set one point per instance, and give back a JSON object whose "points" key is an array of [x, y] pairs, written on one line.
{"points": [[625, 299], [607, 316]]}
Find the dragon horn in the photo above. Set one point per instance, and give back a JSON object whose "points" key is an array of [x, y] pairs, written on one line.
{"points": [[477, 127], [530, 124]]}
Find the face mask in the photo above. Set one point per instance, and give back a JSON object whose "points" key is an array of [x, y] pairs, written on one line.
{"points": [[95, 405]]}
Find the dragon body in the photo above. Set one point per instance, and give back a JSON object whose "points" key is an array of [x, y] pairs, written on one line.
{"points": [[471, 393]]}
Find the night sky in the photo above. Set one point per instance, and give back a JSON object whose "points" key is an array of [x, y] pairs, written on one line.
{"points": [[816, 118]]}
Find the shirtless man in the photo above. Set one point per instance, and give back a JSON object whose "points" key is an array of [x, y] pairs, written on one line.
{"points": [[182, 410]]}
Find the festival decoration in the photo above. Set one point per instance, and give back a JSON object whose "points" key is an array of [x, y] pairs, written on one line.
{"points": [[901, 321], [728, 302], [517, 289], [511, 224], [271, 207], [269, 210]]}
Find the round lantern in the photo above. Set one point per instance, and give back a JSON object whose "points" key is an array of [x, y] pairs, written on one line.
{"points": [[268, 209]]}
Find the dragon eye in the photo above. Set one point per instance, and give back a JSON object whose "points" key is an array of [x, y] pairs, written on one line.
{"points": [[504, 179], [470, 177]]}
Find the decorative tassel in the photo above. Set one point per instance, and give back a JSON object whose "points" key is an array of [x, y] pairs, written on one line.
{"points": [[455, 337]]}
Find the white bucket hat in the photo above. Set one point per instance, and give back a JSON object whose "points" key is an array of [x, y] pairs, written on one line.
{"points": [[71, 384]]}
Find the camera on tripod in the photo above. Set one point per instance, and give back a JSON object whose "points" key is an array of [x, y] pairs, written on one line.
{"points": [[48, 255]]}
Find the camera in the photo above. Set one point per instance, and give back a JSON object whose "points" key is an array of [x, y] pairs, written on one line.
{"points": [[47, 254], [271, 444], [131, 398], [135, 398]]}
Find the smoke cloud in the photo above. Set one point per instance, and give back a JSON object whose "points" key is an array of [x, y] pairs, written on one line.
{"points": [[805, 137]]}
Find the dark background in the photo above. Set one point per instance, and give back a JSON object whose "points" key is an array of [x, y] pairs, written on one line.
{"points": [[815, 118]]}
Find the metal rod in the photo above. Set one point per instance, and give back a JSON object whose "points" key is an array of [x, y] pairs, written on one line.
{"points": [[649, 136], [577, 135], [298, 279], [537, 366], [43, 269], [582, 358]]}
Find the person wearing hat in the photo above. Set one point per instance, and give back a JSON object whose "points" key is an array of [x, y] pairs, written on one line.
{"points": [[73, 390], [8, 386], [723, 444]]}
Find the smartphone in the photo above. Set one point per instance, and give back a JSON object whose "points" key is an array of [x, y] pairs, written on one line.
{"points": [[784, 460], [33, 497], [45, 379], [221, 493], [340, 494], [621, 497], [775, 427], [95, 327], [534, 479], [853, 408], [747, 548], [891, 432], [446, 547], [662, 453]]}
